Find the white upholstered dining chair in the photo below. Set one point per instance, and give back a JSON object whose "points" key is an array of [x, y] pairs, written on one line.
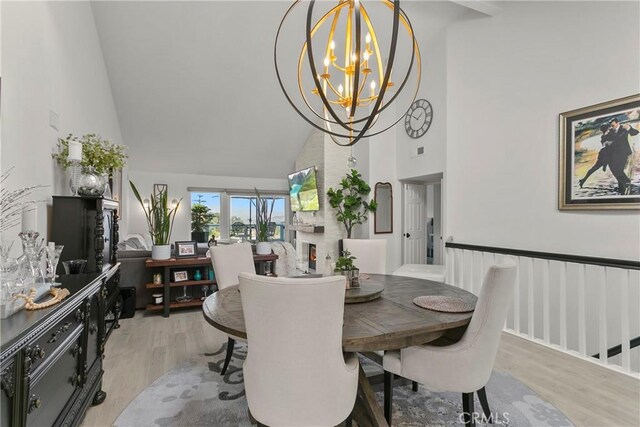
{"points": [[228, 262], [295, 373], [371, 254], [463, 367]]}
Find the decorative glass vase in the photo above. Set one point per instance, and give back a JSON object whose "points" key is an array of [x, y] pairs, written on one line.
{"points": [[53, 257], [31, 274], [8, 274], [91, 183]]}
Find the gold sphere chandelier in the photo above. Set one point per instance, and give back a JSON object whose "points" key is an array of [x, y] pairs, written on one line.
{"points": [[345, 68]]}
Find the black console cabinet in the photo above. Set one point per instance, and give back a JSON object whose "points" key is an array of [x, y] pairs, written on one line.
{"points": [[88, 229], [51, 359]]}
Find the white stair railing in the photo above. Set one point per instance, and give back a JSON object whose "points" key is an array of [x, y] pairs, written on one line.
{"points": [[582, 306]]}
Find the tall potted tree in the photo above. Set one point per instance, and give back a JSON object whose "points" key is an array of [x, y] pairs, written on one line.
{"points": [[201, 215], [263, 218], [349, 200], [160, 218]]}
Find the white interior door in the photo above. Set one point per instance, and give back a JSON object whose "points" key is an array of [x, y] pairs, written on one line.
{"points": [[415, 223]]}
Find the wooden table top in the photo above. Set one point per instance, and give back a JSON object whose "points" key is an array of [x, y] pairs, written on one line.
{"points": [[387, 323]]}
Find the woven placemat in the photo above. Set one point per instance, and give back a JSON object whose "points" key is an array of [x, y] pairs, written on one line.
{"points": [[443, 303]]}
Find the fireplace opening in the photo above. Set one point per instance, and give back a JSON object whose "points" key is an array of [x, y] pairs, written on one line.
{"points": [[312, 257]]}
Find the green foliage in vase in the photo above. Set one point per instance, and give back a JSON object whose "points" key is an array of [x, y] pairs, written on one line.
{"points": [[159, 216], [101, 154], [263, 216], [345, 262], [349, 200]]}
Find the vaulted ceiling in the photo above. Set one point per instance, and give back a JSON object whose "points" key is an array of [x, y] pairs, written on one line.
{"points": [[195, 88]]}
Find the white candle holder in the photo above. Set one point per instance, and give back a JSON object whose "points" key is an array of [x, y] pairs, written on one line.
{"points": [[74, 182]]}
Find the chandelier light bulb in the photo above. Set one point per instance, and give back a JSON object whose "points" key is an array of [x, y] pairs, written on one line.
{"points": [[340, 90], [327, 61], [365, 55], [332, 45], [353, 58], [368, 38]]}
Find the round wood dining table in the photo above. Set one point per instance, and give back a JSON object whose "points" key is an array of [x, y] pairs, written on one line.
{"points": [[390, 322]]}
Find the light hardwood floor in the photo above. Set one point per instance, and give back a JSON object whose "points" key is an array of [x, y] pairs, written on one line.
{"points": [[147, 346]]}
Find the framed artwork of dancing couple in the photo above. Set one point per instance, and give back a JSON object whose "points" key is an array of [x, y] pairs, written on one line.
{"points": [[600, 156]]}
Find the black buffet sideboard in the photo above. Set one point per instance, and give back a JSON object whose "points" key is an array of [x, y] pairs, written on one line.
{"points": [[51, 359], [88, 229]]}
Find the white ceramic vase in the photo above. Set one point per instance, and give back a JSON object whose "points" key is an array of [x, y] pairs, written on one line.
{"points": [[263, 248], [160, 252]]}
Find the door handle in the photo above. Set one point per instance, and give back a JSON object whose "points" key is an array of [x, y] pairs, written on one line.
{"points": [[407, 235]]}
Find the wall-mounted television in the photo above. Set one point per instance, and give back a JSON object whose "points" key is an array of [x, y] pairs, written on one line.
{"points": [[303, 190]]}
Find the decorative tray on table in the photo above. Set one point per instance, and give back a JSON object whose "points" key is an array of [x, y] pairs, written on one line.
{"points": [[368, 291]]}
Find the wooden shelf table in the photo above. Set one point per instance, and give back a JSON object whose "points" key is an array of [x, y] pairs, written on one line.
{"points": [[177, 263]]}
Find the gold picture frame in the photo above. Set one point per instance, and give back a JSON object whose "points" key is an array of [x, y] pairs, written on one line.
{"points": [[599, 157]]}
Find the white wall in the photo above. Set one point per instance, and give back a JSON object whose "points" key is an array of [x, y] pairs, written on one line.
{"points": [[433, 88], [177, 188], [508, 79], [51, 60]]}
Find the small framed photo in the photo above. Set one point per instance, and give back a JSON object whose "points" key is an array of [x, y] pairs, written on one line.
{"points": [[180, 276], [186, 249], [600, 156]]}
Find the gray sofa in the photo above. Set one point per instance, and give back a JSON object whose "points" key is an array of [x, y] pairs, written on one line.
{"points": [[133, 273]]}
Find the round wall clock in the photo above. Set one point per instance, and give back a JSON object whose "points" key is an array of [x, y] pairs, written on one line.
{"points": [[418, 118]]}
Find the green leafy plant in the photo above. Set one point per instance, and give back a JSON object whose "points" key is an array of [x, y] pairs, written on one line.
{"points": [[345, 262], [263, 216], [101, 154], [159, 216], [349, 200], [201, 215]]}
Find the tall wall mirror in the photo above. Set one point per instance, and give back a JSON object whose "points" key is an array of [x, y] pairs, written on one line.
{"points": [[383, 217]]}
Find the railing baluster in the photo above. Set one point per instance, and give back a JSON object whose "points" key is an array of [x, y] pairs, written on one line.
{"points": [[481, 269], [563, 306], [602, 317], [462, 269], [546, 302], [471, 278], [624, 318], [516, 299], [530, 329], [582, 312]]}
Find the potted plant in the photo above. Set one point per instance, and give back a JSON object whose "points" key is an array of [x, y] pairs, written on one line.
{"points": [[349, 200], [263, 218], [160, 220], [346, 267], [99, 156], [201, 215]]}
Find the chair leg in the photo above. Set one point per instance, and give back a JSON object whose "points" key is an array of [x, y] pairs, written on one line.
{"points": [[349, 421], [388, 396], [227, 359], [414, 386], [482, 396], [467, 409]]}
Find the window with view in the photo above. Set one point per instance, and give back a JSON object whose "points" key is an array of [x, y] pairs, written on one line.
{"points": [[243, 217], [232, 216], [205, 216]]}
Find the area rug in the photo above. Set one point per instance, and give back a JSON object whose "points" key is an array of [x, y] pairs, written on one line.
{"points": [[195, 394]]}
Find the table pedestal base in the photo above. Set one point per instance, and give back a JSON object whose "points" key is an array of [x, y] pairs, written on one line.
{"points": [[367, 412]]}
